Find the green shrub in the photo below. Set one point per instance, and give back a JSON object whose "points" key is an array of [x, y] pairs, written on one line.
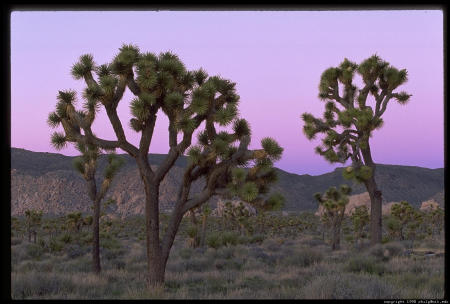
{"points": [[242, 239], [109, 243], [348, 286], [74, 251], [257, 238], [365, 264], [225, 253], [379, 252], [303, 258], [185, 253], [42, 243], [214, 240], [229, 238], [253, 283], [15, 241], [394, 249], [34, 251], [55, 246], [66, 238]]}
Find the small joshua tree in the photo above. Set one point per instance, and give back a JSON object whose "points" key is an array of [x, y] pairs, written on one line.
{"points": [[360, 218], [333, 203], [75, 220], [408, 218], [86, 165], [435, 219], [33, 222], [348, 121], [190, 99]]}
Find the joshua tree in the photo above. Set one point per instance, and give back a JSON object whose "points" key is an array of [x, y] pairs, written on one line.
{"points": [[360, 218], [74, 220], [435, 218], [33, 221], [333, 203], [86, 165], [189, 99], [348, 121], [407, 216], [87, 221]]}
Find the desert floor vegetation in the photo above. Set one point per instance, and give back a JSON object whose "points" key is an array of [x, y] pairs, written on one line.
{"points": [[276, 264]]}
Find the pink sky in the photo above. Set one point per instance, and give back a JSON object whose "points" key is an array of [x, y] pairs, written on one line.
{"points": [[275, 57]]}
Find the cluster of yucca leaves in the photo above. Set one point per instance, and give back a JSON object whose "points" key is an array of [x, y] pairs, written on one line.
{"points": [[348, 121], [188, 98], [86, 164], [334, 200]]}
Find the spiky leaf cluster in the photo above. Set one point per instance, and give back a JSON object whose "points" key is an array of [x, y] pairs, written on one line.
{"points": [[348, 120], [358, 174], [334, 200]]}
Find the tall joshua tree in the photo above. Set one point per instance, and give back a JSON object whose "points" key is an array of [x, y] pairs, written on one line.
{"points": [[86, 165], [348, 121], [333, 202], [189, 99]]}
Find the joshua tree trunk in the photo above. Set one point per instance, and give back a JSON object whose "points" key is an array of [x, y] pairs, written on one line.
{"points": [[375, 200], [96, 266], [336, 240], [96, 238], [203, 233], [155, 260]]}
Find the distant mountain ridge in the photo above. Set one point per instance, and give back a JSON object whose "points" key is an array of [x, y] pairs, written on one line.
{"points": [[47, 181]]}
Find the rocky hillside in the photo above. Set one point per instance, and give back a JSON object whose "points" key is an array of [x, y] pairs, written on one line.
{"points": [[46, 181]]}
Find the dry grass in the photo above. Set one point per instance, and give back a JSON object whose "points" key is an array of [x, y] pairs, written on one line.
{"points": [[302, 268]]}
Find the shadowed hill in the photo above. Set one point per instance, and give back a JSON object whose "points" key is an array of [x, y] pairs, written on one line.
{"points": [[47, 181]]}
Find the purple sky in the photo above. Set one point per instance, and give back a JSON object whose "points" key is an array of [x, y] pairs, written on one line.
{"points": [[276, 59]]}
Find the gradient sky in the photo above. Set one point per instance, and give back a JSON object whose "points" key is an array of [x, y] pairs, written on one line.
{"points": [[275, 57]]}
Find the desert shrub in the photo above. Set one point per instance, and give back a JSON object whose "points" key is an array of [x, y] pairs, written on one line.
{"points": [[365, 264], [34, 251], [37, 284], [15, 241], [66, 238], [436, 285], [198, 265], [303, 258], [242, 239], [109, 243], [74, 251], [314, 242], [86, 239], [55, 246], [394, 249], [229, 264], [272, 245], [254, 283], [118, 264], [257, 238], [185, 253], [41, 242], [215, 285], [225, 253], [230, 238], [214, 240], [412, 280], [343, 286], [112, 254], [379, 252]]}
